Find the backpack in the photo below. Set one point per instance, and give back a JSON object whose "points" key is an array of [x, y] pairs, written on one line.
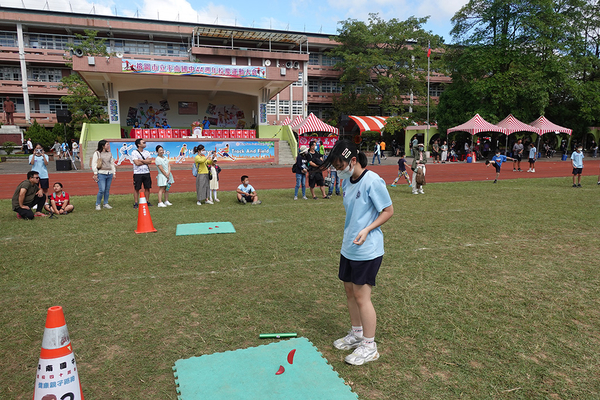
{"points": [[194, 169], [420, 178], [295, 168]]}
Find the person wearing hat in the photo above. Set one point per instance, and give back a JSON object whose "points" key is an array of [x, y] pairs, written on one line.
{"points": [[418, 167], [301, 168]]}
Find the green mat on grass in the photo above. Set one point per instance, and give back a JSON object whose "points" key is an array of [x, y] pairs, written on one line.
{"points": [[204, 228], [251, 374]]}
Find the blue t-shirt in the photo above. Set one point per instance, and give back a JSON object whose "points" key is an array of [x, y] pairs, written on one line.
{"points": [[206, 124], [576, 157], [39, 166], [246, 189], [532, 152], [499, 159], [364, 200]]}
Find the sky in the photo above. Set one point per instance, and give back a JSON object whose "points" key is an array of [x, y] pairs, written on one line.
{"points": [[318, 16]]}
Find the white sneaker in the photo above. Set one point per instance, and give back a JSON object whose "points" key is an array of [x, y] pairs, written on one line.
{"points": [[295, 197], [198, 203], [98, 208], [209, 202], [421, 191], [217, 200], [162, 205], [529, 170], [168, 203], [533, 170], [107, 206], [362, 354], [415, 192], [305, 198], [347, 342]]}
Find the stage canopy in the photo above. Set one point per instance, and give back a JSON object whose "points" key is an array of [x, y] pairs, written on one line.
{"points": [[476, 125], [314, 124], [545, 126], [286, 121], [366, 123], [512, 125]]}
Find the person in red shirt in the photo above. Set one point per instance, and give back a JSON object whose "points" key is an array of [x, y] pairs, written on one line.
{"points": [[59, 201]]}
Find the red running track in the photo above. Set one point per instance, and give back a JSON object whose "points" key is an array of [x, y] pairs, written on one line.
{"points": [[280, 177]]}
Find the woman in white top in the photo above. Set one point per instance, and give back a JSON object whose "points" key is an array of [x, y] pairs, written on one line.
{"points": [[104, 169], [164, 179]]}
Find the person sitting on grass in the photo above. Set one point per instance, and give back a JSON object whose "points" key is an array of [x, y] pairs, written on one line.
{"points": [[497, 161], [27, 195], [59, 201], [246, 193]]}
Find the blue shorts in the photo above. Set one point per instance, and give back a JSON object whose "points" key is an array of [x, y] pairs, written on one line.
{"points": [[577, 171], [359, 272]]}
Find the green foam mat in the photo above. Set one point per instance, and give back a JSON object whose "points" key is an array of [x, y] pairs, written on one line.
{"points": [[251, 374], [204, 228]]}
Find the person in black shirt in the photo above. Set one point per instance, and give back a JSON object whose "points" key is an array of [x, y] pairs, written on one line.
{"points": [[315, 176]]}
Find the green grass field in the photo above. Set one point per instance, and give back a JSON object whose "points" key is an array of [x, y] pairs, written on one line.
{"points": [[486, 291]]}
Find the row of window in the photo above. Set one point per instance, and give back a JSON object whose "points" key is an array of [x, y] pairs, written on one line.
{"points": [[59, 42], [44, 106], [37, 74], [322, 59], [284, 107]]}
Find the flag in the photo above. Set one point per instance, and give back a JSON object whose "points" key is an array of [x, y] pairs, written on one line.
{"points": [[429, 52]]}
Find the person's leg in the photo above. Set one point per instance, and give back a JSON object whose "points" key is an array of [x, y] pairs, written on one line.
{"points": [[574, 175], [352, 304], [101, 188], [239, 197], [398, 177], [69, 208], [414, 182], [215, 194], [136, 196], [161, 190], [367, 314], [323, 191], [25, 213], [298, 182], [108, 181], [578, 179], [337, 183], [39, 202]]}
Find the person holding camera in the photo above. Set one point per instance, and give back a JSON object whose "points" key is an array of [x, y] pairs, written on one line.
{"points": [[39, 162]]}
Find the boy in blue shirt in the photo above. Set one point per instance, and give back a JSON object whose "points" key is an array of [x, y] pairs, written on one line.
{"points": [[246, 193], [577, 161], [497, 161], [532, 157]]}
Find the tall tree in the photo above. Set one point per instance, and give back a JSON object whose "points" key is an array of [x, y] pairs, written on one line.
{"points": [[84, 105], [385, 61]]}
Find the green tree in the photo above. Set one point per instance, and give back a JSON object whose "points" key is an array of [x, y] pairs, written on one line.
{"points": [[84, 105], [384, 61], [41, 135]]}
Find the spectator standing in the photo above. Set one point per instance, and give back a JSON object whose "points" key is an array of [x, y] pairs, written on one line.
{"points": [[413, 146], [164, 179], [29, 146], [382, 146], [39, 163], [103, 166], [577, 161], [75, 147], [376, 152], [335, 181], [215, 170], [301, 170], [517, 155], [532, 157], [436, 151], [368, 206], [27, 196], [594, 147], [205, 123], [9, 111], [202, 180], [56, 149], [315, 176], [59, 201], [321, 148], [444, 149], [141, 171]]}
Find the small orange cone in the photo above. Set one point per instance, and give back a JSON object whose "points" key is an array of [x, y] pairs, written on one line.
{"points": [[144, 220], [57, 376]]}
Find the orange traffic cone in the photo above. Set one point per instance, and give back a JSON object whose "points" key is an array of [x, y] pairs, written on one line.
{"points": [[57, 376], [144, 220]]}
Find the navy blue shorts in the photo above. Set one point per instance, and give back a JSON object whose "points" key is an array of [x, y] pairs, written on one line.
{"points": [[359, 272], [497, 166], [577, 171]]}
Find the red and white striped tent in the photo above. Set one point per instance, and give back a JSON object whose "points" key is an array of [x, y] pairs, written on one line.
{"points": [[286, 121], [367, 123], [314, 124], [512, 125], [297, 121], [545, 126], [476, 125]]}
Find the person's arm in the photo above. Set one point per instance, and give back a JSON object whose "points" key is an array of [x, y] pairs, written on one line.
{"points": [[162, 171], [383, 217], [45, 157], [32, 159], [22, 193], [136, 160], [53, 207]]}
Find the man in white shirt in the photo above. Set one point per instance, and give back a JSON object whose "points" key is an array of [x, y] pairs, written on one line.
{"points": [[141, 172]]}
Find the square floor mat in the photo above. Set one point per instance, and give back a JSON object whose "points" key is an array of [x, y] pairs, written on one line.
{"points": [[204, 228], [253, 374]]}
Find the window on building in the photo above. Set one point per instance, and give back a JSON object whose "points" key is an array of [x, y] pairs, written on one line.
{"points": [[44, 74], [299, 82], [271, 107], [329, 61], [314, 59], [57, 42], [313, 85], [49, 106], [328, 86], [436, 90], [170, 49], [131, 47], [284, 107], [297, 107], [10, 73], [8, 39], [19, 104]]}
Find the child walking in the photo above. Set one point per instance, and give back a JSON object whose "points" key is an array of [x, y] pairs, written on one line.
{"points": [[164, 179], [368, 206], [215, 170], [402, 164]]}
